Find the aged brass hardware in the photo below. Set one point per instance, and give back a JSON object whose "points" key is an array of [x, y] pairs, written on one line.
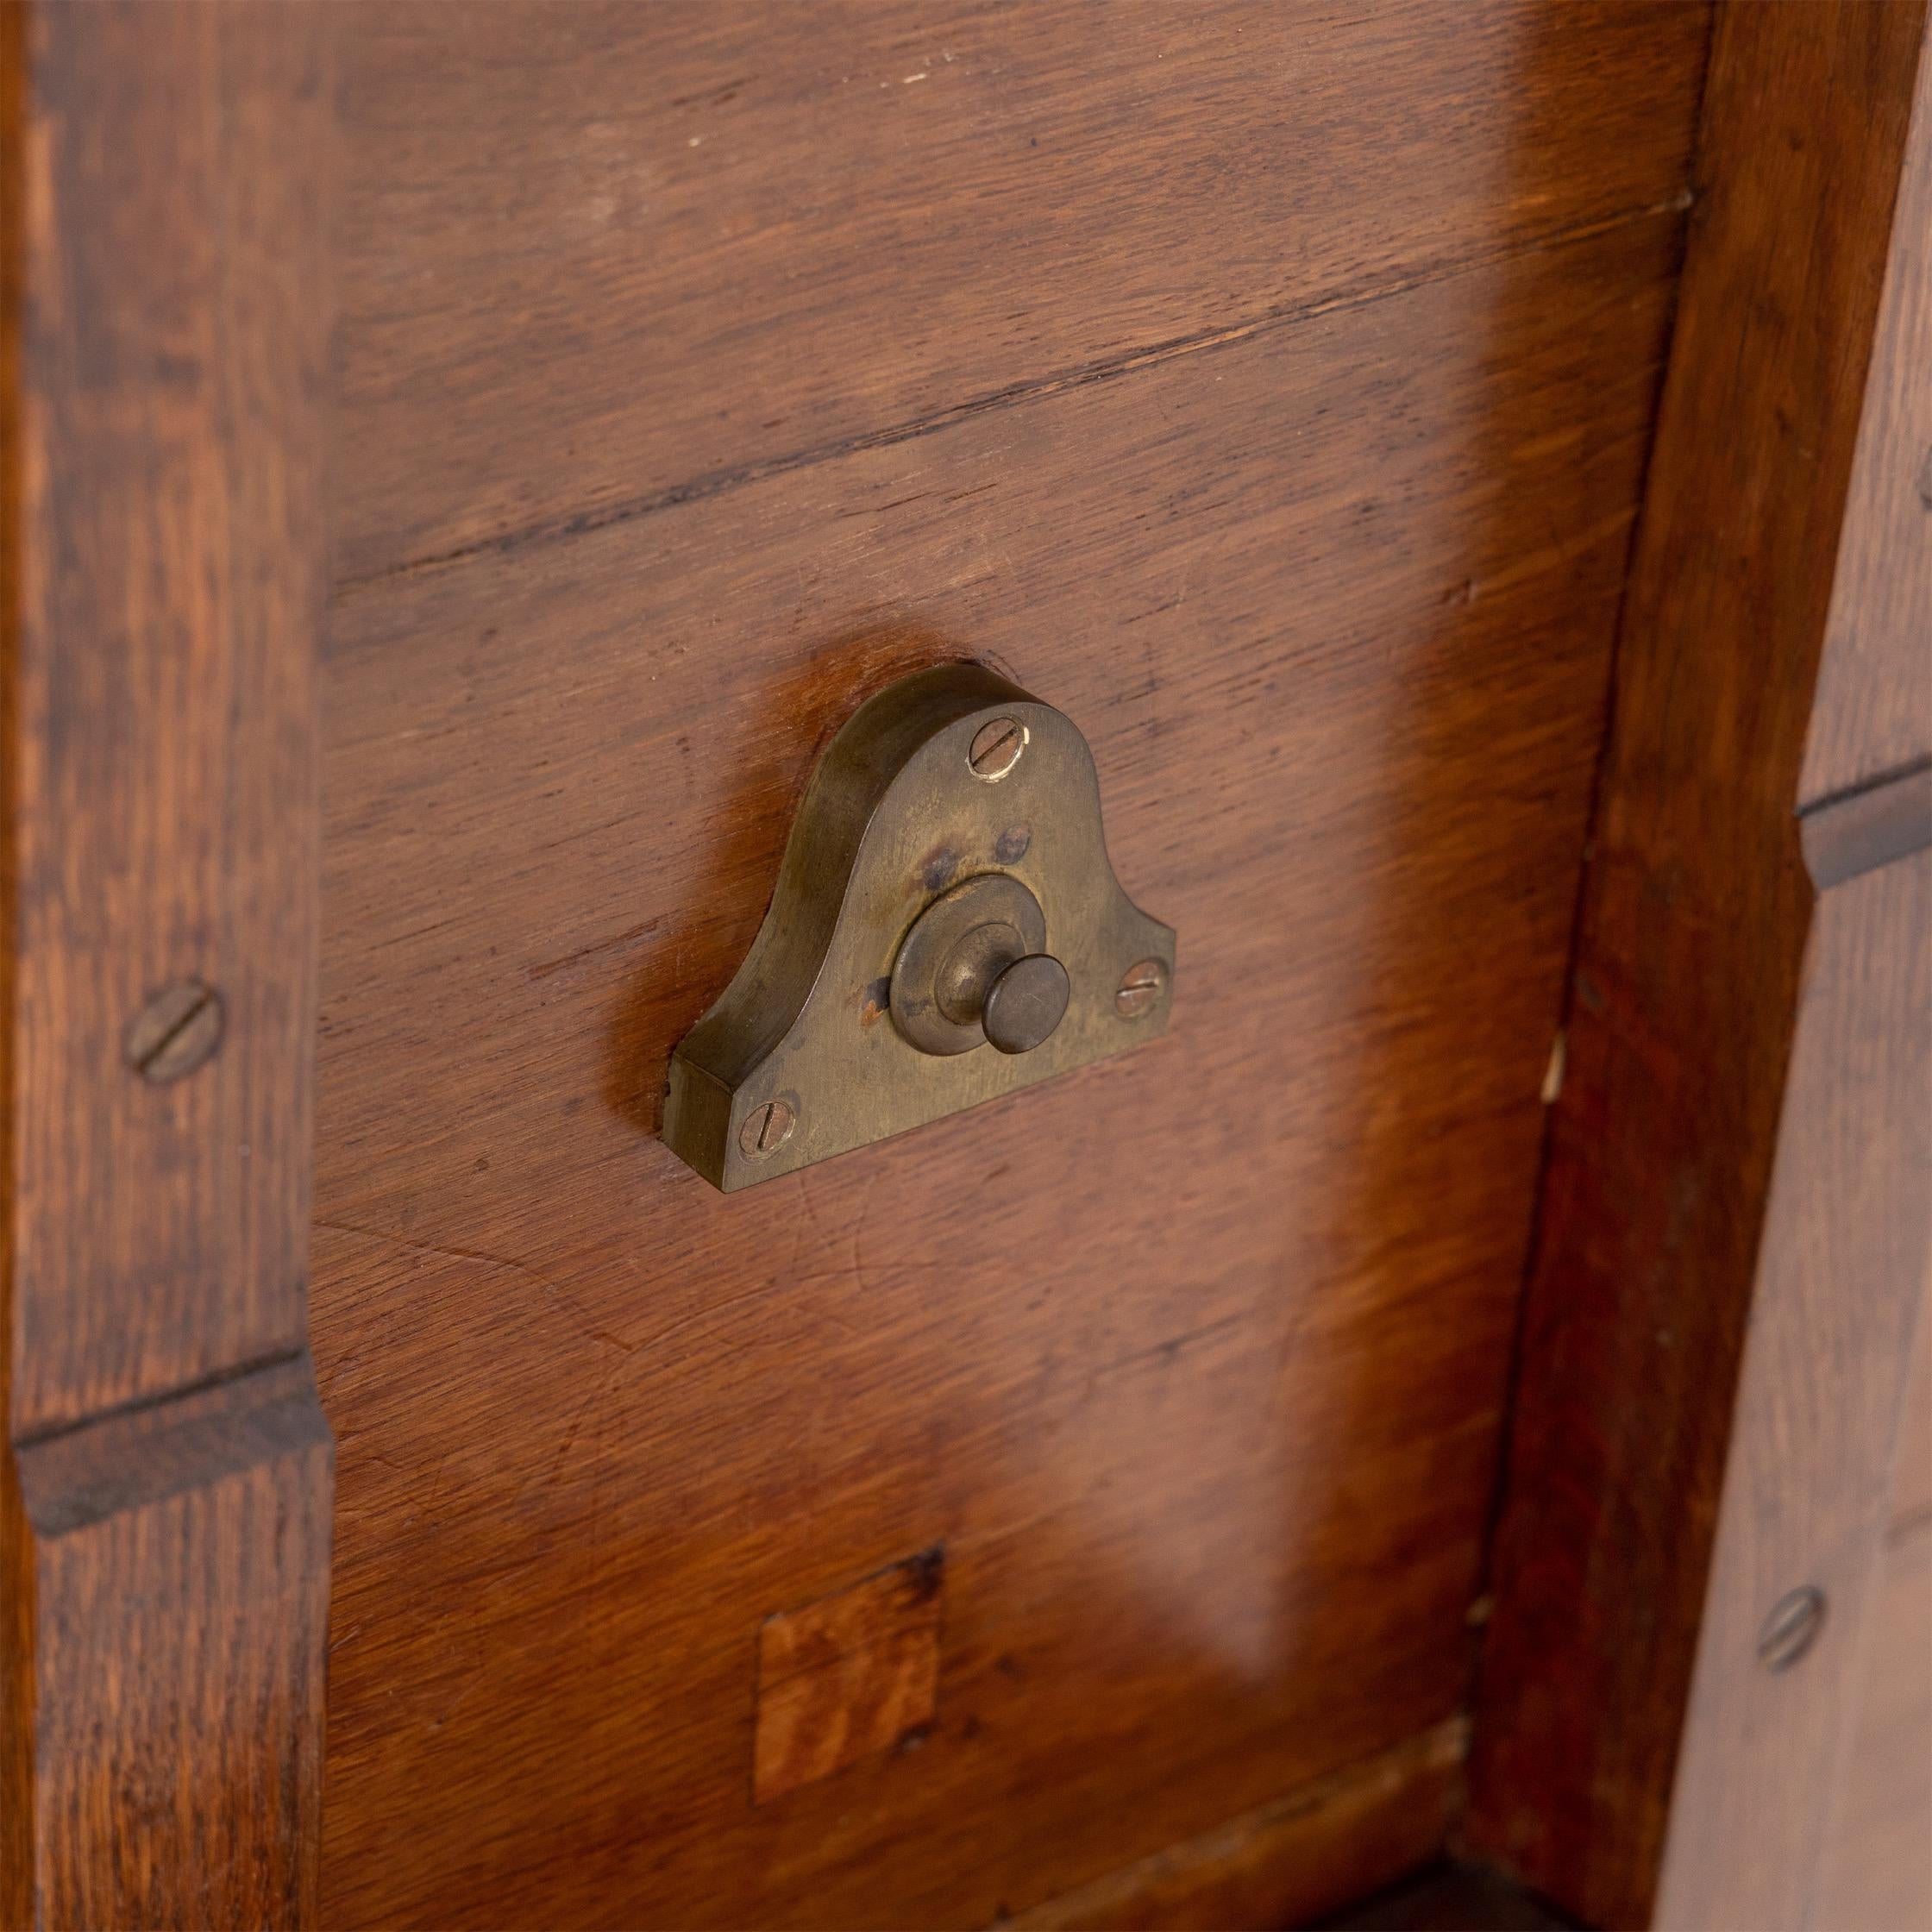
{"points": [[974, 968], [946, 887]]}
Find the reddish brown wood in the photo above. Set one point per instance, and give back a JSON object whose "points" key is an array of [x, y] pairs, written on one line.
{"points": [[165, 371], [181, 1557], [1686, 982], [602, 258], [853, 1673], [1287, 1863], [1192, 1361], [171, 426]]}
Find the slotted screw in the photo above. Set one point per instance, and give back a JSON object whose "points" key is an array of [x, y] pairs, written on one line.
{"points": [[1791, 1629], [767, 1129], [996, 749], [175, 1032], [1141, 988]]}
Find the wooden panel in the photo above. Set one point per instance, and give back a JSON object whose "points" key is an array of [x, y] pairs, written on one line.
{"points": [[1193, 1361], [1873, 714], [1288, 1862], [181, 1600], [602, 258], [173, 349], [1878, 1863], [1686, 985], [164, 355], [1847, 1247], [1912, 1492]]}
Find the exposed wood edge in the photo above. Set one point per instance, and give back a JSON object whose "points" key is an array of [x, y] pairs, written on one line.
{"points": [[1861, 831], [1692, 932], [1288, 1862]]}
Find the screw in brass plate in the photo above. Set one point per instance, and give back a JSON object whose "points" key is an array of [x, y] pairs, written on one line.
{"points": [[1141, 988], [996, 749], [767, 1129], [175, 1032], [1791, 1629]]}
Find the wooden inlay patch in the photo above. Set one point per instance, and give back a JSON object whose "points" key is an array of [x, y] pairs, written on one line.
{"points": [[848, 1675]]}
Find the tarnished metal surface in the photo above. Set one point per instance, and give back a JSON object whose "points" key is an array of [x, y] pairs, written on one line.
{"points": [[898, 815], [959, 946]]}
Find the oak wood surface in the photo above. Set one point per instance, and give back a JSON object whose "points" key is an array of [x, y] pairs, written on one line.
{"points": [[164, 1526], [1685, 984], [1877, 1869], [1912, 1492], [181, 1602], [173, 375], [1847, 1249], [602, 257], [1287, 1863], [1872, 715], [1195, 1360]]}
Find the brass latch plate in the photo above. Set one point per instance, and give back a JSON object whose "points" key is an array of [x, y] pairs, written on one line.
{"points": [[949, 777]]}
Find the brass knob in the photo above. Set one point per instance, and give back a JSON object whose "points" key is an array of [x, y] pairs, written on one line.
{"points": [[1026, 1003], [974, 968]]}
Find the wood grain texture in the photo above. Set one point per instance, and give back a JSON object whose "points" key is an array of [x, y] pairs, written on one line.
{"points": [[1847, 1249], [1874, 711], [1877, 1869], [179, 1596], [1287, 1863], [164, 1516], [852, 1673], [1686, 985], [1912, 1492], [171, 438], [605, 257], [1332, 605]]}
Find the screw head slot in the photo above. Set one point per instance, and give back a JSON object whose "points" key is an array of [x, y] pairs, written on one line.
{"points": [[1141, 988], [175, 1032], [767, 1129], [1791, 1629], [996, 749]]}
